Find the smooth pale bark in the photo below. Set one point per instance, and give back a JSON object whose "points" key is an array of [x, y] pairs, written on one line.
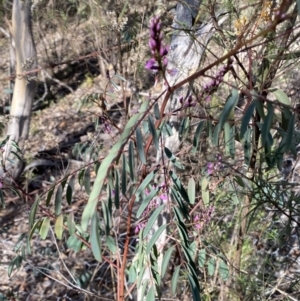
{"points": [[24, 89]]}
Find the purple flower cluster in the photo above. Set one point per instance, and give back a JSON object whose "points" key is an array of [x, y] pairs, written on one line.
{"points": [[214, 166], [158, 49], [214, 84], [204, 217], [188, 103]]}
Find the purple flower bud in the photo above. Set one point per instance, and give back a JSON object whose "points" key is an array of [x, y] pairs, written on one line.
{"points": [[158, 26], [165, 61], [163, 50], [153, 24], [181, 99], [152, 44], [152, 33], [151, 64]]}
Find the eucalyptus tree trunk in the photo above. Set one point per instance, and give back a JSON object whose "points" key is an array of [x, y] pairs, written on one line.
{"points": [[24, 88]]}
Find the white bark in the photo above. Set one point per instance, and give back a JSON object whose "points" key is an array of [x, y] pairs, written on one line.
{"points": [[24, 89]]}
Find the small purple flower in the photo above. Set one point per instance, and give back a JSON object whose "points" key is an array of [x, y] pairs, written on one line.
{"points": [[165, 61], [196, 221], [152, 64], [164, 50], [163, 197], [173, 71], [139, 227], [152, 44], [210, 168]]}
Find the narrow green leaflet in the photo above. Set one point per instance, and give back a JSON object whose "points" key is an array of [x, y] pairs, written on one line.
{"points": [[71, 223], [111, 244], [59, 226], [228, 108], [131, 161], [153, 132], [117, 189], [16, 262], [58, 200], [45, 227], [145, 183], [1, 198], [152, 220], [154, 238], [290, 134], [246, 119], [181, 228], [132, 274], [37, 225], [146, 202], [33, 212], [202, 258], [211, 266], [179, 186], [259, 106], [247, 146], [280, 96], [267, 125], [124, 174], [70, 189], [182, 206], [87, 181], [173, 159], [285, 118], [140, 145], [156, 111], [192, 190], [64, 181], [227, 137], [183, 127], [198, 135], [74, 243], [90, 208], [166, 260], [205, 191], [151, 294], [81, 177], [194, 288], [175, 280], [95, 238], [49, 195]]}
